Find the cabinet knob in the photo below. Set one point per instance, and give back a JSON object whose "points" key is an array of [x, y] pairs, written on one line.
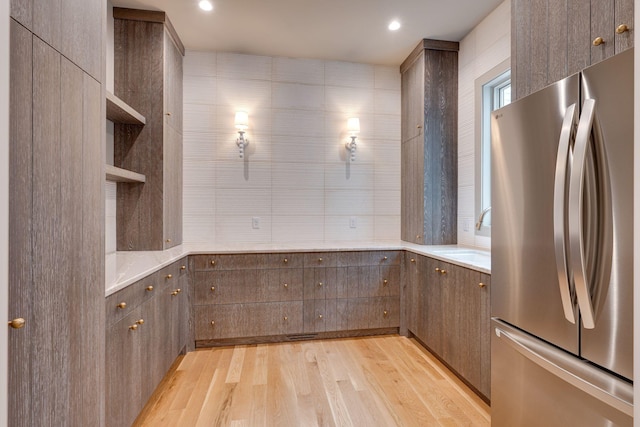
{"points": [[320, 317], [213, 289], [482, 285], [598, 41], [285, 260], [418, 126], [320, 284], [168, 113], [418, 236], [133, 327], [213, 323], [385, 282], [286, 285], [413, 260], [319, 259], [385, 258], [122, 305], [437, 269], [183, 268], [149, 288], [178, 290], [168, 240], [286, 318], [174, 293], [213, 262], [622, 28], [385, 313], [140, 322], [17, 323], [443, 271], [169, 276]]}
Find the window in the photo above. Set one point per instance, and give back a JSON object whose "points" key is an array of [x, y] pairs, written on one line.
{"points": [[493, 91]]}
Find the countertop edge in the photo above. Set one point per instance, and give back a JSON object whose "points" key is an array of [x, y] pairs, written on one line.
{"points": [[148, 262]]}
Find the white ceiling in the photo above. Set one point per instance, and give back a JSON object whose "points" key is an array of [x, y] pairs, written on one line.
{"points": [[344, 30]]}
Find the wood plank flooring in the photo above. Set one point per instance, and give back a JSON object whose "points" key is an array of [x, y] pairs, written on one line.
{"points": [[371, 381]]}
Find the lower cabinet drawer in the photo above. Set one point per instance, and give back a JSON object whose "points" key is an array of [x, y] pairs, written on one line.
{"points": [[247, 320]]}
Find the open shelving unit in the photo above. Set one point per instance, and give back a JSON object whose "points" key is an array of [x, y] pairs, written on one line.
{"points": [[119, 111]]}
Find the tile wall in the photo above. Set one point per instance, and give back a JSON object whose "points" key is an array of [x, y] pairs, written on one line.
{"points": [[486, 46], [295, 177]]}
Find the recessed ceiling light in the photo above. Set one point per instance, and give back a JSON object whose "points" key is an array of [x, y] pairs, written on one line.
{"points": [[394, 25], [206, 5]]}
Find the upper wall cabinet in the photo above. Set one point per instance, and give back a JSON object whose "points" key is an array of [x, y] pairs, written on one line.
{"points": [[72, 27], [148, 77], [552, 39], [429, 178]]}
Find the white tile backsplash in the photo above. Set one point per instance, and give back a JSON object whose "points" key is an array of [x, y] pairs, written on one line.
{"points": [[296, 176]]}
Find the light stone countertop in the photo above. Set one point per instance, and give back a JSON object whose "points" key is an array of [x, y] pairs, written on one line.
{"points": [[125, 268]]}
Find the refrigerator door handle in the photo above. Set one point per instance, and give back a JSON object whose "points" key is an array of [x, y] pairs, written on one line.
{"points": [[590, 229], [612, 391], [563, 169]]}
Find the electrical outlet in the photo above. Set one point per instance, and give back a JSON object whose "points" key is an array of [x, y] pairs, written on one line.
{"points": [[255, 222], [353, 222], [465, 225]]}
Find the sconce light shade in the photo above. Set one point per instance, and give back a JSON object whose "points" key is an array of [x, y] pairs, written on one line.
{"points": [[242, 124], [353, 125], [242, 120]]}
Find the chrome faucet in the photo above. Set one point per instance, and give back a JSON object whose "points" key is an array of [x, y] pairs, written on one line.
{"points": [[481, 218]]}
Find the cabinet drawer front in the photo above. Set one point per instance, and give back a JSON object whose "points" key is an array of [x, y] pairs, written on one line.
{"points": [[382, 258], [320, 283], [320, 259], [247, 320], [120, 304], [280, 260], [283, 285], [228, 286], [320, 315], [226, 262], [391, 274]]}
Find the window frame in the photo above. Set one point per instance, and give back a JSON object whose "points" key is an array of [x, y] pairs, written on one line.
{"points": [[482, 116]]}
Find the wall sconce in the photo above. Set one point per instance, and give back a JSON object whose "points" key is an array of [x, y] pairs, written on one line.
{"points": [[353, 126], [242, 124]]}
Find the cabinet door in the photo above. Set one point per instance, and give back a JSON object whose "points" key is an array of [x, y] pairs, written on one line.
{"points": [[124, 370], [172, 187], [172, 84], [412, 95], [602, 25], [624, 16], [433, 292], [410, 297], [412, 191]]}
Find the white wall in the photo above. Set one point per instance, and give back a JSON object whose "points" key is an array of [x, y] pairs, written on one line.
{"points": [[295, 176], [4, 207], [486, 46], [636, 226]]}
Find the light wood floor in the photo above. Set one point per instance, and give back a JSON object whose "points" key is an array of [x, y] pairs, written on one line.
{"points": [[372, 381]]}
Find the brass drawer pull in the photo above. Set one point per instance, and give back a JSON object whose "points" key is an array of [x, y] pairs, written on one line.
{"points": [[320, 317], [285, 260], [122, 305], [286, 318], [286, 285], [385, 258], [443, 271], [213, 262], [413, 260], [320, 284], [149, 288], [213, 323], [169, 276], [482, 285], [133, 327], [140, 322], [184, 267], [319, 259], [598, 41], [437, 269], [213, 289], [385, 313], [385, 282]]}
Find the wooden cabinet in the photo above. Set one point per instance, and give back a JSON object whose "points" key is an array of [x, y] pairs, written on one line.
{"points": [[429, 150], [449, 311], [148, 77], [147, 328], [553, 39], [71, 27], [56, 254], [253, 296]]}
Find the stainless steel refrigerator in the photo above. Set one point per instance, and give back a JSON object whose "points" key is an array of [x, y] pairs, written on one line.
{"points": [[562, 252]]}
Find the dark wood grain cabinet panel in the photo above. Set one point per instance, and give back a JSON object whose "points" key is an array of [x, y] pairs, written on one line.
{"points": [[148, 77], [449, 311], [56, 255], [429, 150], [553, 39]]}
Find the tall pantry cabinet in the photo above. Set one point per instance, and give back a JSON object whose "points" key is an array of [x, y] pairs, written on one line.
{"points": [[148, 77], [429, 134], [56, 255]]}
